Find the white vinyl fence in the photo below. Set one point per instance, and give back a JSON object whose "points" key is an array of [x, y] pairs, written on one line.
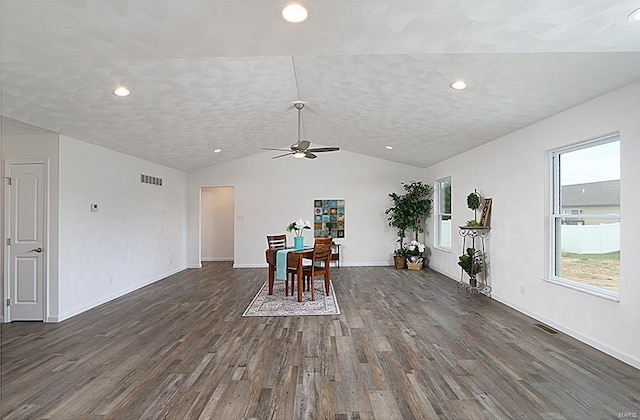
{"points": [[591, 239], [445, 233]]}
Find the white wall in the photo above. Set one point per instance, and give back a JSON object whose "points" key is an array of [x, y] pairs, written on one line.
{"points": [[217, 224], [514, 171], [137, 236], [270, 193], [45, 146]]}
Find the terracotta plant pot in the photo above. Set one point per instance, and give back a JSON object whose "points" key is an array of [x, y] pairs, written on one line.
{"points": [[400, 262]]}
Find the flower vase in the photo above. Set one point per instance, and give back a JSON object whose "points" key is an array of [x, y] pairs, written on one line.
{"points": [[298, 242]]}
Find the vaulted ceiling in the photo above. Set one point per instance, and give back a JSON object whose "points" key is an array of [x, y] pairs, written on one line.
{"points": [[222, 74]]}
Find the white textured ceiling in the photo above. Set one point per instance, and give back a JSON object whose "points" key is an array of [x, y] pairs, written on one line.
{"points": [[219, 73]]}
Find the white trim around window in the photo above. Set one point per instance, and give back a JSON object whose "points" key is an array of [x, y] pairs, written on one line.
{"points": [[584, 200], [442, 219]]}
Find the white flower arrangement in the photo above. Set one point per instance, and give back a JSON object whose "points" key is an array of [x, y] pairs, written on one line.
{"points": [[298, 226], [414, 249]]}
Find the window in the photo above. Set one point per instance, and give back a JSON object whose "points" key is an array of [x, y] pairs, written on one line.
{"points": [[585, 215], [443, 213]]}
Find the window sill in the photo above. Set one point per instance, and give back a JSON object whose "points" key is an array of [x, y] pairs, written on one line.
{"points": [[442, 248], [590, 290]]}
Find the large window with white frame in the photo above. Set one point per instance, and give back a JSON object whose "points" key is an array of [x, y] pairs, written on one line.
{"points": [[585, 215], [443, 213]]}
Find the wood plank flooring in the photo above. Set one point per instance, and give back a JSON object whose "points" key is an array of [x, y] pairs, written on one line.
{"points": [[406, 346]]}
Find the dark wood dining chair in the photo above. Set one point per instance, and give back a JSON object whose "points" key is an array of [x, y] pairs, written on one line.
{"points": [[320, 265], [276, 242]]}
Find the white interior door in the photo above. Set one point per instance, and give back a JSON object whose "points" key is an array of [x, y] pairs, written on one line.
{"points": [[26, 229]]}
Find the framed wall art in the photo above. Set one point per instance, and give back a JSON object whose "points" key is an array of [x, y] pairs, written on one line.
{"points": [[328, 218]]}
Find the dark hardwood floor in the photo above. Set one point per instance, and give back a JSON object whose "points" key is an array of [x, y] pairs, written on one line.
{"points": [[406, 346]]}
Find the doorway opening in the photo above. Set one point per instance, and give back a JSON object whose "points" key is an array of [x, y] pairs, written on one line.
{"points": [[217, 223]]}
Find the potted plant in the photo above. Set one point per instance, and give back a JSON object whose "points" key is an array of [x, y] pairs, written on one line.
{"points": [[471, 263], [399, 219], [399, 259], [409, 211], [413, 253], [418, 202], [473, 202]]}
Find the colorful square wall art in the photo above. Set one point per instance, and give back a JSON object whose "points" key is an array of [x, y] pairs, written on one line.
{"points": [[328, 218]]}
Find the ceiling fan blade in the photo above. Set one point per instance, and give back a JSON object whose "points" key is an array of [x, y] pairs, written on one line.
{"points": [[303, 145], [323, 149], [279, 150], [309, 155], [279, 156]]}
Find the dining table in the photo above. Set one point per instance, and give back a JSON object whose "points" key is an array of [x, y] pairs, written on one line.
{"points": [[294, 260]]}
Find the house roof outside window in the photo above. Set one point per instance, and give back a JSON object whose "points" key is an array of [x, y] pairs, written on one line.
{"points": [[603, 193]]}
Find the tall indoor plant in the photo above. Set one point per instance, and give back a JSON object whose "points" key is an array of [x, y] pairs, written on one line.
{"points": [[419, 202], [399, 219], [409, 212]]}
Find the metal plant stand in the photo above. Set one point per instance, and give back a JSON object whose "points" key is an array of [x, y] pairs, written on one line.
{"points": [[473, 234]]}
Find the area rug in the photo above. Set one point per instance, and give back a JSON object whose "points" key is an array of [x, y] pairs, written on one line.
{"points": [[280, 305]]}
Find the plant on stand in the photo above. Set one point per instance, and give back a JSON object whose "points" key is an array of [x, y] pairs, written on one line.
{"points": [[298, 226], [473, 202], [471, 263]]}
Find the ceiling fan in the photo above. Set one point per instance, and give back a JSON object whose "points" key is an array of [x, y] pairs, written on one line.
{"points": [[301, 149]]}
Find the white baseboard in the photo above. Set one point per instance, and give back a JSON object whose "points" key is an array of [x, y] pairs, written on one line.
{"points": [[447, 275], [98, 302], [367, 264], [217, 259], [580, 337], [260, 265], [199, 265]]}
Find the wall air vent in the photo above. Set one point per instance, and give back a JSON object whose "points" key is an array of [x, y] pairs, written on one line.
{"points": [[546, 328], [148, 179]]}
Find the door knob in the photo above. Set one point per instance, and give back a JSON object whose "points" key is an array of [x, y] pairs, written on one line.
{"points": [[38, 250]]}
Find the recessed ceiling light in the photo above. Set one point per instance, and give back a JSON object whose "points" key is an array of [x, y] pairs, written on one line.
{"points": [[458, 85], [295, 13], [389, 147], [121, 91], [217, 151], [634, 16]]}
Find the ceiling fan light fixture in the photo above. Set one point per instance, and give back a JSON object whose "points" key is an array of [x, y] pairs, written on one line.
{"points": [[121, 91], [634, 16], [299, 155], [295, 13]]}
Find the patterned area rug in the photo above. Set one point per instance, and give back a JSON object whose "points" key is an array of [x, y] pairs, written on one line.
{"points": [[280, 305]]}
